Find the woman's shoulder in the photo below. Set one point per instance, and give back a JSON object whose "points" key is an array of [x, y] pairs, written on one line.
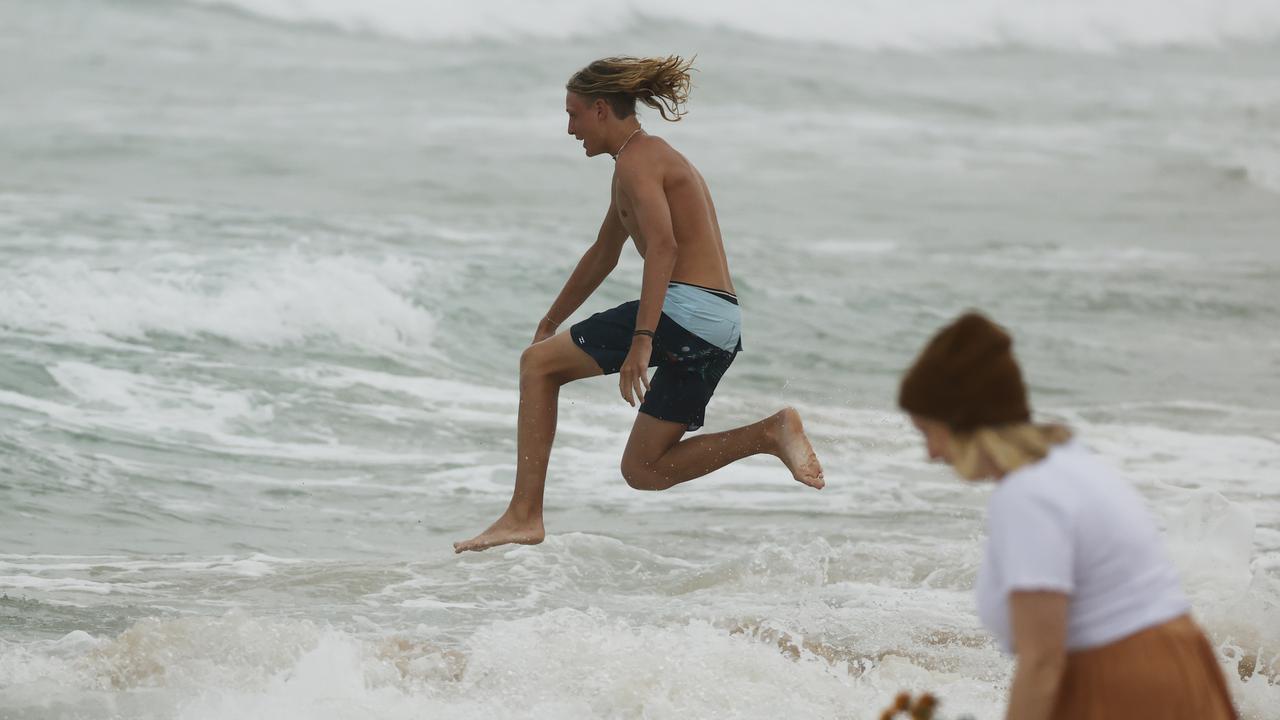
{"points": [[1046, 482]]}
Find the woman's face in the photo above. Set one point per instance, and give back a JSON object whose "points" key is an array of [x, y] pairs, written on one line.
{"points": [[937, 438]]}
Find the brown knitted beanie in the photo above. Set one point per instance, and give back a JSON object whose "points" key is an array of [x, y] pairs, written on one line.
{"points": [[967, 377]]}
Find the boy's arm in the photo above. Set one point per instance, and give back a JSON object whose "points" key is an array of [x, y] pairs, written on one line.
{"points": [[597, 262], [643, 185]]}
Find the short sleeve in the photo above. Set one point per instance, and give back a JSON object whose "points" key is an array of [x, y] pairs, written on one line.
{"points": [[1031, 541]]}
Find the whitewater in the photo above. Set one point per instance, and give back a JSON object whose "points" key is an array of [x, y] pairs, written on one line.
{"points": [[267, 268]]}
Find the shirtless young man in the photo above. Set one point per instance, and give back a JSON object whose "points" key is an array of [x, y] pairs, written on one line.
{"points": [[686, 323]]}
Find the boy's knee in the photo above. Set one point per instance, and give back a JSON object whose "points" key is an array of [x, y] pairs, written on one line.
{"points": [[534, 363], [639, 476]]}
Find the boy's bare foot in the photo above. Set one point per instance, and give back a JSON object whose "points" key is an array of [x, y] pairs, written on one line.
{"points": [[795, 450], [505, 531]]}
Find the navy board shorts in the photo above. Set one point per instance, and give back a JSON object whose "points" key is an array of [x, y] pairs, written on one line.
{"points": [[698, 336]]}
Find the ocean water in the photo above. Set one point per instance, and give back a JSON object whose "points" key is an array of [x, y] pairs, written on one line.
{"points": [[267, 266]]}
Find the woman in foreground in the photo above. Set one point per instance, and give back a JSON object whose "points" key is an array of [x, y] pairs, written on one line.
{"points": [[1075, 581]]}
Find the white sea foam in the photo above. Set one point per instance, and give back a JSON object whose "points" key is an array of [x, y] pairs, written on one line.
{"points": [[208, 419], [558, 664], [1070, 259], [255, 565], [1211, 539], [853, 248], [1159, 459], [72, 585], [273, 300], [430, 389], [688, 657], [1089, 25], [145, 402]]}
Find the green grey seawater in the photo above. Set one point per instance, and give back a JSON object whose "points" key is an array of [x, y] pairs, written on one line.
{"points": [[264, 285]]}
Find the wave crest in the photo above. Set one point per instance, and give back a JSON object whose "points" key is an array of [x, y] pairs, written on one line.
{"points": [[269, 302], [931, 25]]}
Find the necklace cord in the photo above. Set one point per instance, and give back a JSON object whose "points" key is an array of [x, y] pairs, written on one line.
{"points": [[624, 142]]}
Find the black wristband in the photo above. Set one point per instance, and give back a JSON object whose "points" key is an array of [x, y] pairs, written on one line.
{"points": [[643, 332]]}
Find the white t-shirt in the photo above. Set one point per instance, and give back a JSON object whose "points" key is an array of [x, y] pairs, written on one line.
{"points": [[1071, 524]]}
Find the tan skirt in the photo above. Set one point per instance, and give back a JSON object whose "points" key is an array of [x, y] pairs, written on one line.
{"points": [[1167, 672]]}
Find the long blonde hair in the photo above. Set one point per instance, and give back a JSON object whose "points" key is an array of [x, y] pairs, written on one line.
{"points": [[661, 83], [1004, 448]]}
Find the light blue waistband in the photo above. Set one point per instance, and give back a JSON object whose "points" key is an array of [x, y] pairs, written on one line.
{"points": [[704, 314]]}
